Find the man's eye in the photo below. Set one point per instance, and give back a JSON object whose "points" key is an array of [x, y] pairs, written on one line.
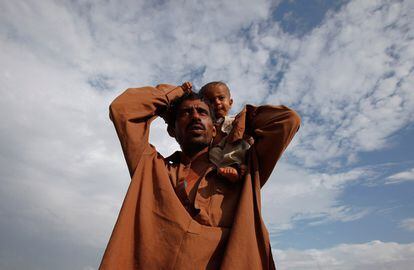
{"points": [[203, 112], [184, 113]]}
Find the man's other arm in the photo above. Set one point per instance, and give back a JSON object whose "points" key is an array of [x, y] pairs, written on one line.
{"points": [[272, 128], [132, 113]]}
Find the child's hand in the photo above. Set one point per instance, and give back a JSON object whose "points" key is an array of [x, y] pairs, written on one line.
{"points": [[187, 87]]}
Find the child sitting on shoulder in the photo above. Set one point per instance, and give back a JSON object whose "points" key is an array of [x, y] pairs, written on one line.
{"points": [[227, 152]]}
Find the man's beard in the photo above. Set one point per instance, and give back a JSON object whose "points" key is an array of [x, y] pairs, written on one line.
{"points": [[195, 146]]}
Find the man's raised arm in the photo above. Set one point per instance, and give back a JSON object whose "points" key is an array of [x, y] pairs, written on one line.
{"points": [[132, 113], [272, 128]]}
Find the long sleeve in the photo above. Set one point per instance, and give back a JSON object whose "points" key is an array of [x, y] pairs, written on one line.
{"points": [[272, 128], [132, 113]]}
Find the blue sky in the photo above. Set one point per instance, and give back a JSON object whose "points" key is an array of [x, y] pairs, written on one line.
{"points": [[340, 198]]}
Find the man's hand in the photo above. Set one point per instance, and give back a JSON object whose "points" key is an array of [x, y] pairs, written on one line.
{"points": [[187, 87]]}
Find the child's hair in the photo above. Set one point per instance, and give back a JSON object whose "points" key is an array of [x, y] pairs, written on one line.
{"points": [[210, 85]]}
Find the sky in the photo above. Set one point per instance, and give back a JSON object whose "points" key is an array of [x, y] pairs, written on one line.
{"points": [[341, 196]]}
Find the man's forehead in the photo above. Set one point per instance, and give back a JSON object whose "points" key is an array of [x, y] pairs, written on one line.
{"points": [[190, 103]]}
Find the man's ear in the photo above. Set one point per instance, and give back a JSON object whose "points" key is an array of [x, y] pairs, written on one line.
{"points": [[171, 131]]}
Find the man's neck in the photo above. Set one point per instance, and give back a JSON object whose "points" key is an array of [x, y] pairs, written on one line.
{"points": [[189, 156]]}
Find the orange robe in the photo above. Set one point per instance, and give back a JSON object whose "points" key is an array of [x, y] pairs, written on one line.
{"points": [[224, 229]]}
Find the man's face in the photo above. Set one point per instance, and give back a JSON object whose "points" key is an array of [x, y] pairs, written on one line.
{"points": [[219, 97], [193, 127]]}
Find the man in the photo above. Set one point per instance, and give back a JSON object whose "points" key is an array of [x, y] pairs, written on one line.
{"points": [[178, 212]]}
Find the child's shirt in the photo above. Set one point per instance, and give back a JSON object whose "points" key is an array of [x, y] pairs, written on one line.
{"points": [[225, 153]]}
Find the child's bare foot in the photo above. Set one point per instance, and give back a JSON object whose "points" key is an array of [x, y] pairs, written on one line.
{"points": [[230, 173], [187, 87]]}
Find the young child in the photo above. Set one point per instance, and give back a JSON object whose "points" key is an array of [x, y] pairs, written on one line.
{"points": [[226, 153]]}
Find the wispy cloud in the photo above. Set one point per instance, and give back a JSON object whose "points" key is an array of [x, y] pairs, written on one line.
{"points": [[293, 194], [351, 78], [401, 177], [367, 256], [408, 224]]}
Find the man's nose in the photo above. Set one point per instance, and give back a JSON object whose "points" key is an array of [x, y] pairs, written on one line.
{"points": [[194, 114]]}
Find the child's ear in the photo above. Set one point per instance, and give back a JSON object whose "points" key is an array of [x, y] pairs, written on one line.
{"points": [[231, 101]]}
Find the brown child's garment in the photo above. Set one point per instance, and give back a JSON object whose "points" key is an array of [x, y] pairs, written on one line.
{"points": [[226, 153], [211, 224]]}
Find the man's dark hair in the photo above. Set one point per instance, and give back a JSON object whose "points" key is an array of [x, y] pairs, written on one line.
{"points": [[210, 85], [172, 111]]}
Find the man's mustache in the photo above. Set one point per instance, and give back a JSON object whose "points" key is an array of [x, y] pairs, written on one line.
{"points": [[195, 125]]}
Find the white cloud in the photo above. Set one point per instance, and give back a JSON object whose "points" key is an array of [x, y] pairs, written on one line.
{"points": [[401, 177], [408, 224], [63, 177], [293, 193], [351, 78], [367, 256]]}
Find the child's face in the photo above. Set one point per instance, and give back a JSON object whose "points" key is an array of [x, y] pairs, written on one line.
{"points": [[219, 98]]}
